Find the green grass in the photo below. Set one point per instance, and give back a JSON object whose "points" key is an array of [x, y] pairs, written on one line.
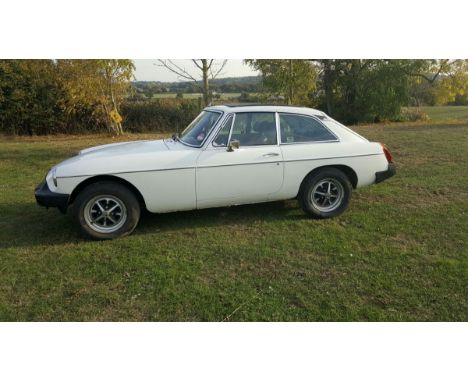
{"points": [[445, 113], [398, 253]]}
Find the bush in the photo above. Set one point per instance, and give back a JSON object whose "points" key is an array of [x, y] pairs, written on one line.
{"points": [[34, 101], [246, 97], [163, 115], [412, 115], [30, 98]]}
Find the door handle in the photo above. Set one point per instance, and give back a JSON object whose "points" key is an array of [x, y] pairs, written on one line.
{"points": [[270, 155]]}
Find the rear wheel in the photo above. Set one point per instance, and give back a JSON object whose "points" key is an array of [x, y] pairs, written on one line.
{"points": [[106, 210], [325, 194]]}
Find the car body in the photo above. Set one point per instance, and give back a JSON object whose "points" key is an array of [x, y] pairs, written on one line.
{"points": [[229, 155]]}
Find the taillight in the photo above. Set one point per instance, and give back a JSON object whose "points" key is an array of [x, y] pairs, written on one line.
{"points": [[387, 153]]}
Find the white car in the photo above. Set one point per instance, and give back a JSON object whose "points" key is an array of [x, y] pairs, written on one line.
{"points": [[229, 155]]}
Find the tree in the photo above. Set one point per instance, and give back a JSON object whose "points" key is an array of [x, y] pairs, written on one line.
{"points": [[30, 97], [366, 90], [209, 69], [293, 79], [437, 81], [100, 84], [453, 83]]}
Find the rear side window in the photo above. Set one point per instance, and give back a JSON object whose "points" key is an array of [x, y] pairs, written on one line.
{"points": [[300, 128]]}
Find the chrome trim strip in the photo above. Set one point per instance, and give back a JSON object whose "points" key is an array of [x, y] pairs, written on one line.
{"points": [[278, 129], [128, 172], [220, 165], [225, 121], [230, 130], [346, 156], [308, 143], [239, 164]]}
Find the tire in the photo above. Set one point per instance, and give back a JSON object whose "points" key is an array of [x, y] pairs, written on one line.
{"points": [[325, 194], [106, 210]]}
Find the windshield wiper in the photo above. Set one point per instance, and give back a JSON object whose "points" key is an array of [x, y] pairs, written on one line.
{"points": [[175, 137]]}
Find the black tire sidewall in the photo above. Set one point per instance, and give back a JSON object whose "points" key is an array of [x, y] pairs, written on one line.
{"points": [[312, 180], [107, 188]]}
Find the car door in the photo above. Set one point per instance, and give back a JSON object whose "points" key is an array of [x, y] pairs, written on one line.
{"points": [[251, 173]]}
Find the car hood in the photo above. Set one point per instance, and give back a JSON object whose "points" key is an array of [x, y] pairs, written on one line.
{"points": [[124, 157], [125, 148]]}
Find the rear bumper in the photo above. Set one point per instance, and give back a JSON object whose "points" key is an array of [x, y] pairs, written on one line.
{"points": [[382, 175], [47, 198]]}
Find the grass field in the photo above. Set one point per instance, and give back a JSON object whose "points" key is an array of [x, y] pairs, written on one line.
{"points": [[446, 113], [225, 96], [399, 252]]}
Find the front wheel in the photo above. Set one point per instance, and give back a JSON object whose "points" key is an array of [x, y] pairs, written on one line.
{"points": [[325, 194], [106, 210]]}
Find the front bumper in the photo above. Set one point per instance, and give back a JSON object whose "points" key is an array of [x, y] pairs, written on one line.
{"points": [[47, 198], [382, 175]]}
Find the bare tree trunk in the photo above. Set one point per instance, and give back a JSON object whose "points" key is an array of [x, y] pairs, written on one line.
{"points": [[207, 70], [107, 119], [110, 124], [290, 95], [352, 89], [328, 85], [206, 84], [116, 125], [118, 128]]}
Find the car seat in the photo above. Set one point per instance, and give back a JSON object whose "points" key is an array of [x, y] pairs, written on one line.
{"points": [[267, 132]]}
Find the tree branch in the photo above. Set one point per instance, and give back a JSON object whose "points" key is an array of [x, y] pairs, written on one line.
{"points": [[442, 66], [176, 69], [196, 63], [213, 76]]}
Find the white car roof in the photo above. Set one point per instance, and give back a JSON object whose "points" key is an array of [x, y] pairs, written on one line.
{"points": [[237, 108]]}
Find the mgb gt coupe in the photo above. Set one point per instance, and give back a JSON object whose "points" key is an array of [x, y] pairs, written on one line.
{"points": [[229, 155]]}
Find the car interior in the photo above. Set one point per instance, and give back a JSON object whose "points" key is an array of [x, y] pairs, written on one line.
{"points": [[255, 129], [296, 128]]}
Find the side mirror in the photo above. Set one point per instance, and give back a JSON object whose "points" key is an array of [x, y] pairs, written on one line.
{"points": [[233, 144]]}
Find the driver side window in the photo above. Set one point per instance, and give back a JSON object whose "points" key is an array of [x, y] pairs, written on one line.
{"points": [[254, 129]]}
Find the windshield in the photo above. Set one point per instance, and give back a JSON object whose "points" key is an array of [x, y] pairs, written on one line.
{"points": [[196, 133]]}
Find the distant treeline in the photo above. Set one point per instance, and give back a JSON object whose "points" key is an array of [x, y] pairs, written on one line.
{"points": [[249, 84]]}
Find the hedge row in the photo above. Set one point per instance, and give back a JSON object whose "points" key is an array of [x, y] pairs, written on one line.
{"points": [[160, 115]]}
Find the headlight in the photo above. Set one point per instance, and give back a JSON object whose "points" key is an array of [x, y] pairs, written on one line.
{"points": [[52, 174]]}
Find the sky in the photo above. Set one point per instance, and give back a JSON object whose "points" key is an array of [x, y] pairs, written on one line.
{"points": [[147, 70]]}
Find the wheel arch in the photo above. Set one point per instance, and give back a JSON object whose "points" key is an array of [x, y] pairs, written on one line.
{"points": [[109, 178], [348, 171]]}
